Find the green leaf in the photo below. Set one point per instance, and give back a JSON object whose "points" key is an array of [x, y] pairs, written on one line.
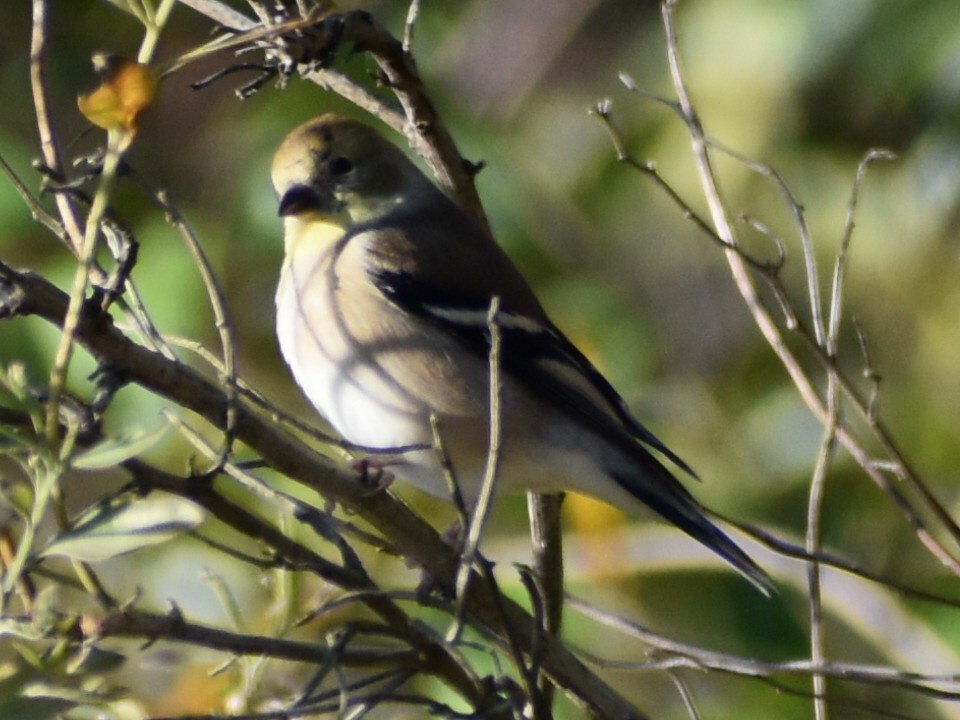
{"points": [[126, 525], [25, 630], [11, 439], [50, 691], [94, 660], [113, 451]]}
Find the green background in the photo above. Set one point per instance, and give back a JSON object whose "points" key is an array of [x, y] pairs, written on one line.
{"points": [[807, 87]]}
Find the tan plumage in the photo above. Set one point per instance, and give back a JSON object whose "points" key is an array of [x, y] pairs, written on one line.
{"points": [[382, 316]]}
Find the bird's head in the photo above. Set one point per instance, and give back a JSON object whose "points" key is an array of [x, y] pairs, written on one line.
{"points": [[342, 171]]}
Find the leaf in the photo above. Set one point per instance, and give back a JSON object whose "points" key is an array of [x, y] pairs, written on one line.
{"points": [[23, 629], [126, 89], [11, 440], [124, 526], [113, 451], [94, 660]]}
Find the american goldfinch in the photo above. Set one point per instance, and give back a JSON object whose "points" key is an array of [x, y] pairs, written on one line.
{"points": [[382, 316]]}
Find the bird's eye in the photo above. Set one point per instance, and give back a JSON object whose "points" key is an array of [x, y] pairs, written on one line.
{"points": [[341, 166]]}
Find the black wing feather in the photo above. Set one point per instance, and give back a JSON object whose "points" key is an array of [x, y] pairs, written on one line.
{"points": [[526, 345]]}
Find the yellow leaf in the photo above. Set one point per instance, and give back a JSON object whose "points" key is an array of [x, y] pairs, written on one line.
{"points": [[126, 89]]}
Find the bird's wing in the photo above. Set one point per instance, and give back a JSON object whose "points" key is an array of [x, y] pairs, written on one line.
{"points": [[451, 280]]}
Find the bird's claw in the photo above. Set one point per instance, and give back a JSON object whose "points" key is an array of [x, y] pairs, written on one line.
{"points": [[373, 475]]}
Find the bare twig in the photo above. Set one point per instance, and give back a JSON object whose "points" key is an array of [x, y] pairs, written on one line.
{"points": [[815, 503], [37, 210], [221, 13], [480, 512], [740, 271], [28, 294], [49, 145], [221, 316], [869, 372], [118, 141], [806, 242], [423, 125], [413, 14], [813, 540], [449, 473], [87, 257], [546, 535], [685, 694], [944, 686], [603, 111]]}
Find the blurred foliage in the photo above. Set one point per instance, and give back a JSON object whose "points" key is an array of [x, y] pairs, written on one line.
{"points": [[804, 86]]}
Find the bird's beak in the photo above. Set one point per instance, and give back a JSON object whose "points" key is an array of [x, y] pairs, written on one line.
{"points": [[304, 198]]}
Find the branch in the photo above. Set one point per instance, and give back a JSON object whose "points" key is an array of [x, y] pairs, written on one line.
{"points": [[311, 49], [741, 264], [498, 617]]}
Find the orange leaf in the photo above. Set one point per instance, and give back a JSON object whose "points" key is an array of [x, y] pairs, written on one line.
{"points": [[126, 89]]}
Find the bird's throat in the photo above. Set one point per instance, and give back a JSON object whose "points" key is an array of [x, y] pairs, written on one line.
{"points": [[310, 232]]}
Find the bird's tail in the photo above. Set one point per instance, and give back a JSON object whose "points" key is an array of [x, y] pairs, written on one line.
{"points": [[673, 503]]}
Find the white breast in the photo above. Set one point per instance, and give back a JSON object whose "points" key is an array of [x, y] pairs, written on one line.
{"points": [[332, 361], [376, 373]]}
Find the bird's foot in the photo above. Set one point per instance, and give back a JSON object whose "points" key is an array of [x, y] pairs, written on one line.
{"points": [[373, 474], [454, 536]]}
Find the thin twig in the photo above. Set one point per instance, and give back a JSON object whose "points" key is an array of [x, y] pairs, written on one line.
{"points": [[603, 111], [866, 408], [221, 13], [685, 694], [827, 559], [49, 145], [413, 14], [154, 26], [869, 372], [484, 501], [828, 444], [771, 333], [37, 211], [251, 394], [423, 126], [349, 89], [449, 473], [81, 280], [945, 686], [546, 536], [812, 273], [221, 316], [118, 140], [813, 545]]}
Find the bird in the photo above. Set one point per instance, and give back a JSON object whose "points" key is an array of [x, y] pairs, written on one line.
{"points": [[388, 300]]}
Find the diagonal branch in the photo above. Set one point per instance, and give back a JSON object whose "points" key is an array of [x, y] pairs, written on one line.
{"points": [[498, 617]]}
